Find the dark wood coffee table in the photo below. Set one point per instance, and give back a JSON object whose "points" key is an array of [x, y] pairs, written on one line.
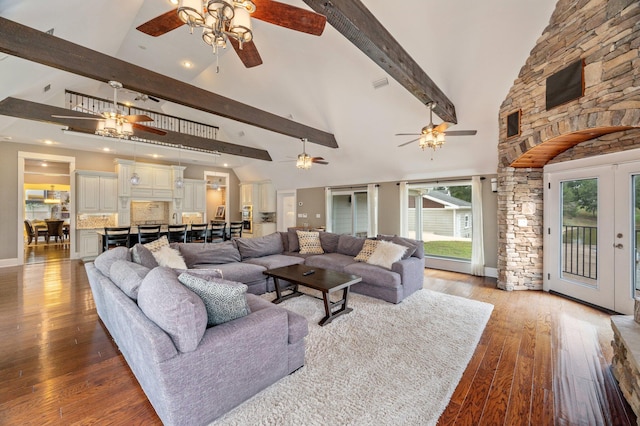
{"points": [[324, 280]]}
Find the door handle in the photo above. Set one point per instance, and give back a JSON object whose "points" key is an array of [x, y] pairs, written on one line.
{"points": [[618, 246]]}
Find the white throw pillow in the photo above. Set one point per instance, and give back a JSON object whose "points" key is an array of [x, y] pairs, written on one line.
{"points": [[386, 254], [171, 258]]}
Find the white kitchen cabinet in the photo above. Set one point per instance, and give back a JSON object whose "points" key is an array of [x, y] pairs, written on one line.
{"points": [[194, 196], [267, 197], [88, 243], [124, 168], [97, 192], [155, 181], [246, 194]]}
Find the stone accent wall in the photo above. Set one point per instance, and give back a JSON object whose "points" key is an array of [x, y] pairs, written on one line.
{"points": [[626, 348], [606, 35]]}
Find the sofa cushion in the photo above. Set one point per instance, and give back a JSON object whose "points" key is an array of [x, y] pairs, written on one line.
{"points": [[260, 246], [309, 242], [350, 245], [368, 248], [276, 261], [333, 261], [372, 274], [329, 241], [173, 307], [293, 240], [104, 261], [386, 254], [224, 300], [298, 325], [416, 247], [171, 258], [201, 273], [210, 253], [128, 276], [243, 272], [143, 256]]}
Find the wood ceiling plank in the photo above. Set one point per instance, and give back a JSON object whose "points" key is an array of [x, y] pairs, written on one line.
{"points": [[20, 108], [36, 46], [354, 21]]}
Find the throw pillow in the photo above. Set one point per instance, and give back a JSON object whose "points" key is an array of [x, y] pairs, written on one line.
{"points": [[143, 256], [204, 273], [224, 300], [157, 244], [368, 248], [128, 276], [309, 242], [107, 258], [386, 254], [166, 256]]}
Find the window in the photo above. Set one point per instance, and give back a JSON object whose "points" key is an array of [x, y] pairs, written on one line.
{"points": [[353, 211]]}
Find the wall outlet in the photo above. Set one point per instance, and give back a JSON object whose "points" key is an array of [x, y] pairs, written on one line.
{"points": [[317, 215], [300, 215], [304, 215]]}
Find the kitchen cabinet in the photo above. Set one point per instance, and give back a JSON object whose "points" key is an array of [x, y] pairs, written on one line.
{"points": [[267, 197], [260, 229], [249, 195], [97, 192], [88, 245], [155, 181], [194, 196]]}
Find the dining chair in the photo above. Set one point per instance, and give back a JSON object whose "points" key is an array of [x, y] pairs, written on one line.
{"points": [[218, 231], [116, 236], [198, 233], [33, 233], [54, 229], [235, 230], [148, 233], [177, 233]]}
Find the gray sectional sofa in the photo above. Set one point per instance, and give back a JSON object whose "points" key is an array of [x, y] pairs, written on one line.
{"points": [[191, 373]]}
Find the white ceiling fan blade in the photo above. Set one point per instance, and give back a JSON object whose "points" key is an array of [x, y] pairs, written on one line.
{"points": [[407, 143]]}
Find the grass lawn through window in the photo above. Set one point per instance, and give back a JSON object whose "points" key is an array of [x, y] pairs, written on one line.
{"points": [[452, 249]]}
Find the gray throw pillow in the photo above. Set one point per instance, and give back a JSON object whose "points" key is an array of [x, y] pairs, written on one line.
{"points": [[128, 276], [107, 258], [143, 256], [260, 246], [173, 307], [293, 240], [329, 241], [224, 300]]}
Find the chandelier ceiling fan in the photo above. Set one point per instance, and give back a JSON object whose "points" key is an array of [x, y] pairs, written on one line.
{"points": [[230, 20], [112, 122], [305, 161], [433, 136]]}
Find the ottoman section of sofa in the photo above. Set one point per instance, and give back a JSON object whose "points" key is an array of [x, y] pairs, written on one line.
{"points": [[243, 272]]}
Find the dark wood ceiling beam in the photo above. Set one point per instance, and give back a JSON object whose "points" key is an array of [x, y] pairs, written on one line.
{"points": [[353, 20], [20, 108], [36, 46]]}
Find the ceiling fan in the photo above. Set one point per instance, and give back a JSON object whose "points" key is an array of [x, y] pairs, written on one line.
{"points": [[433, 136], [111, 121], [305, 161], [223, 20]]}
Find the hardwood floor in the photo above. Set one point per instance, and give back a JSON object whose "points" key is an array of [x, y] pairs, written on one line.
{"points": [[541, 360]]}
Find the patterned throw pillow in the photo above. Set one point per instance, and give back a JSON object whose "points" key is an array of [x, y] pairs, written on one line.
{"points": [[157, 244], [309, 242], [386, 254], [224, 300], [368, 248]]}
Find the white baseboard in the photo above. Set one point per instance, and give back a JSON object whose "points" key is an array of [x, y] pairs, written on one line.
{"points": [[4, 263], [490, 272]]}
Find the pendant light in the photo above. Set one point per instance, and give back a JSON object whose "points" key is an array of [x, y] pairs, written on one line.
{"points": [[179, 182], [135, 178]]}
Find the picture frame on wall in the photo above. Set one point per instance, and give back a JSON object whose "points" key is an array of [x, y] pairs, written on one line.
{"points": [[220, 212]]}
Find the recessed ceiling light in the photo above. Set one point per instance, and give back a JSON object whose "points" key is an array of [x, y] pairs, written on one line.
{"points": [[155, 155], [225, 165], [7, 138], [187, 64], [44, 164], [48, 142], [106, 149], [173, 1]]}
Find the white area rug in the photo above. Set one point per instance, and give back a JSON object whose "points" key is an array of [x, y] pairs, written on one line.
{"points": [[381, 364]]}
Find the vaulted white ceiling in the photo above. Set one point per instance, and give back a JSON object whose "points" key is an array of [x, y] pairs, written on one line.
{"points": [[472, 50]]}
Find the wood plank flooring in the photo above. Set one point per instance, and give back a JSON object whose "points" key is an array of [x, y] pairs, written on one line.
{"points": [[542, 359]]}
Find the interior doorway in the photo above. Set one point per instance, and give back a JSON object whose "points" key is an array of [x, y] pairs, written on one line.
{"points": [[286, 209], [45, 199]]}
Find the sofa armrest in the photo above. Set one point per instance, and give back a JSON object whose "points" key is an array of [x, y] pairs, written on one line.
{"points": [[411, 272]]}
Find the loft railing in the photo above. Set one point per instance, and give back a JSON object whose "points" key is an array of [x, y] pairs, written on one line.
{"points": [[580, 251], [93, 105]]}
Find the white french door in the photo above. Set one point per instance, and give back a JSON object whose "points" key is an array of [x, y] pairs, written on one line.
{"points": [[590, 241]]}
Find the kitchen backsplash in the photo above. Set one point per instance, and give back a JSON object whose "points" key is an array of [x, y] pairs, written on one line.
{"points": [[192, 218], [149, 212], [85, 221]]}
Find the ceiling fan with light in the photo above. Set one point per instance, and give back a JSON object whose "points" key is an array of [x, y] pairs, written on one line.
{"points": [[111, 121], [230, 20], [305, 161], [433, 136]]}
